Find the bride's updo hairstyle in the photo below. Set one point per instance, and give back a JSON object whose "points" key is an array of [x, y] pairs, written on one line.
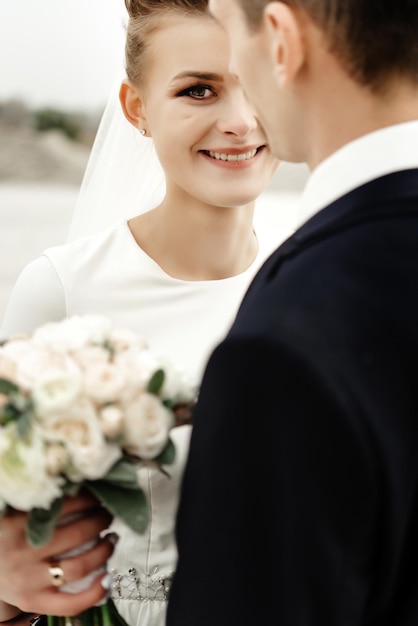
{"points": [[145, 17]]}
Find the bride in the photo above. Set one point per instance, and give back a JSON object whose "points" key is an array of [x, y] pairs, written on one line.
{"points": [[167, 250]]}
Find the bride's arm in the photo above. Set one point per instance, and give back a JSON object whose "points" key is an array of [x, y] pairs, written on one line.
{"points": [[26, 589], [37, 297]]}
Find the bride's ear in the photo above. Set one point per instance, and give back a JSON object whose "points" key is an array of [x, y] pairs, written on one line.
{"points": [[132, 105]]}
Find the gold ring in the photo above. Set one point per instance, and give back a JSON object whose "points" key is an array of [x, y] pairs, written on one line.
{"points": [[57, 575]]}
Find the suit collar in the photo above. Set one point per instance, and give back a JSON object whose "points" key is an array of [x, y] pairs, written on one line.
{"points": [[368, 201], [392, 196]]}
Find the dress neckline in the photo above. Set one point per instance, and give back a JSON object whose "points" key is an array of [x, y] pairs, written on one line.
{"points": [[217, 281]]}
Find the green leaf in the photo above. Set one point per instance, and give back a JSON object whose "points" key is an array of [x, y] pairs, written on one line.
{"points": [[24, 424], [156, 382], [71, 489], [109, 347], [9, 414], [41, 524], [167, 456], [18, 405], [21, 402], [129, 505], [7, 387], [124, 474]]}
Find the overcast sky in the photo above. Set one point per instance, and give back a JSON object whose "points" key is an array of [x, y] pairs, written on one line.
{"points": [[64, 53]]}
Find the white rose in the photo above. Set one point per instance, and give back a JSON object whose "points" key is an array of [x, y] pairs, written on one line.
{"points": [[177, 386], [56, 392], [72, 333], [25, 482], [122, 339], [103, 382], [57, 457], [61, 336], [89, 355], [10, 355], [15, 347], [36, 364], [146, 426], [111, 421], [78, 428], [8, 366], [148, 363], [137, 367]]}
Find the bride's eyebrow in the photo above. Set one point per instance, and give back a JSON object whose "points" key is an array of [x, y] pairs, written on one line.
{"points": [[199, 75]]}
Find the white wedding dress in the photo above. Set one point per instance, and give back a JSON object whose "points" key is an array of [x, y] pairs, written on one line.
{"points": [[108, 274]]}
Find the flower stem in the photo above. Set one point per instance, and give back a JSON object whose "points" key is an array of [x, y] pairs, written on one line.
{"points": [[106, 619]]}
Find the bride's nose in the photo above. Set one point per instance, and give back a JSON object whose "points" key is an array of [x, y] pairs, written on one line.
{"points": [[237, 117]]}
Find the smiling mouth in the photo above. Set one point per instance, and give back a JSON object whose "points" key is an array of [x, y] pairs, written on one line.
{"points": [[243, 156]]}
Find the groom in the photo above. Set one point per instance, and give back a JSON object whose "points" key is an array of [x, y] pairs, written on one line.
{"points": [[300, 497]]}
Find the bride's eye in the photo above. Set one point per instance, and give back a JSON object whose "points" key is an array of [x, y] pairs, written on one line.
{"points": [[198, 92]]}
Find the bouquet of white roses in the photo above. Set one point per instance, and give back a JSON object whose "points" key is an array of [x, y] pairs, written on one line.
{"points": [[81, 403]]}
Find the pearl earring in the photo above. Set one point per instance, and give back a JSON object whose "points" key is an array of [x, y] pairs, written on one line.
{"points": [[143, 131]]}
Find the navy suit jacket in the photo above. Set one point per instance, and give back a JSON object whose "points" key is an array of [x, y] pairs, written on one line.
{"points": [[300, 497]]}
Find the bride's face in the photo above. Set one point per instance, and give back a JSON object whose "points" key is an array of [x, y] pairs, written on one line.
{"points": [[205, 133]]}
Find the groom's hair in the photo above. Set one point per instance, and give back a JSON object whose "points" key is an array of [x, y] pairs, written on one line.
{"points": [[375, 40]]}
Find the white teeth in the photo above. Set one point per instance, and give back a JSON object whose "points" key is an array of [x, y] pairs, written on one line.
{"points": [[221, 156]]}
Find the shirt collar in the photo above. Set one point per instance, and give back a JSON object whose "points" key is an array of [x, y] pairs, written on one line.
{"points": [[381, 152]]}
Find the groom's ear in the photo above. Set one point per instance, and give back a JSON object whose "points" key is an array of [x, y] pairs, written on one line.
{"points": [[132, 104], [283, 30]]}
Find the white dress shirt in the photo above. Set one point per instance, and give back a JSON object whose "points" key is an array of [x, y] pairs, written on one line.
{"points": [[381, 152]]}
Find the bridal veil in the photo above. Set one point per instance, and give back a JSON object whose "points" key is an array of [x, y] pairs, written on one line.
{"points": [[123, 177]]}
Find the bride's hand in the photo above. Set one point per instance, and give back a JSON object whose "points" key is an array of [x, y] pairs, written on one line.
{"points": [[25, 579]]}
